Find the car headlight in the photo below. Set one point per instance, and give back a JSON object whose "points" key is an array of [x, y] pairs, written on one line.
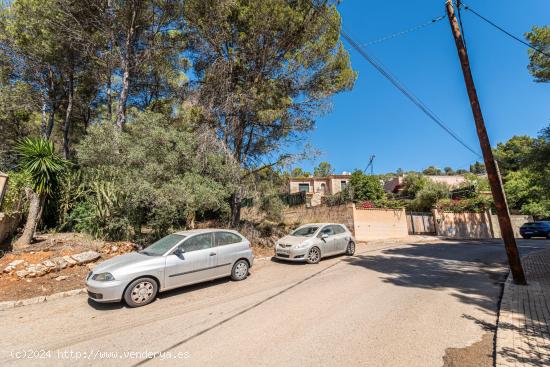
{"points": [[103, 277], [301, 245]]}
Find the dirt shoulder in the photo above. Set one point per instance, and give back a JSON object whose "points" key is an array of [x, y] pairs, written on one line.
{"points": [[64, 277]]}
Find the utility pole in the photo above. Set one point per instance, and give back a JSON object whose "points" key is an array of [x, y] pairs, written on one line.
{"points": [[490, 165]]}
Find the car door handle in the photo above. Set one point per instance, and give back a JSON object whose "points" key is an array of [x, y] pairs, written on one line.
{"points": [[212, 254]]}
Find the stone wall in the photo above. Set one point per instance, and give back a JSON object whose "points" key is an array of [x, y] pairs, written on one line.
{"points": [[366, 224], [320, 214], [8, 225], [517, 221], [374, 224], [467, 225]]}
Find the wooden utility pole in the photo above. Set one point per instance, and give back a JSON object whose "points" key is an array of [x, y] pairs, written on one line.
{"points": [[490, 165]]}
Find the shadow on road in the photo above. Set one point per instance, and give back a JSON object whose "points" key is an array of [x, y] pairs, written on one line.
{"points": [[473, 270]]}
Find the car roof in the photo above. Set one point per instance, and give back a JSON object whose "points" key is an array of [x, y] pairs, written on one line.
{"points": [[191, 232], [321, 224]]}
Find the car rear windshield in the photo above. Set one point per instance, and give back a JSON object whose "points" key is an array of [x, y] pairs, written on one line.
{"points": [[160, 247], [305, 231]]}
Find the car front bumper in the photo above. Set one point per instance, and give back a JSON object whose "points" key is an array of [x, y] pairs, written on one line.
{"points": [[291, 254], [105, 291]]}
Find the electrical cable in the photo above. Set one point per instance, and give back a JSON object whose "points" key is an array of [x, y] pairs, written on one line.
{"points": [[505, 31], [458, 6], [401, 33], [392, 79]]}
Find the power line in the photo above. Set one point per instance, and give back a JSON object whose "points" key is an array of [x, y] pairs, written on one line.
{"points": [[458, 5], [406, 31], [505, 31], [392, 79]]}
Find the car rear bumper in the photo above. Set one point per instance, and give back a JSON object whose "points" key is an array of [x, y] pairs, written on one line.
{"points": [[105, 291]]}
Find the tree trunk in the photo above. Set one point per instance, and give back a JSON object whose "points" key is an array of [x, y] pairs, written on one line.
{"points": [[44, 124], [32, 220], [236, 208], [51, 96], [121, 108], [68, 112], [109, 96], [126, 64]]}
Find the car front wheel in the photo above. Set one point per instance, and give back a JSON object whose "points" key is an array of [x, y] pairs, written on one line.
{"points": [[313, 255], [141, 292]]}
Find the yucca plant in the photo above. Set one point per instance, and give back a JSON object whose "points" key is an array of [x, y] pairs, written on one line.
{"points": [[40, 162]]}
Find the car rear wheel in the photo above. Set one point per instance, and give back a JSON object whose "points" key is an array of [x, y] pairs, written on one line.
{"points": [[240, 270], [141, 292], [313, 255], [350, 250]]}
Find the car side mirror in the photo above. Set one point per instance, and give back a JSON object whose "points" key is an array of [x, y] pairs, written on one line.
{"points": [[179, 253], [324, 236]]}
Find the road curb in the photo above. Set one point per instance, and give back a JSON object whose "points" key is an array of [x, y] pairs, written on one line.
{"points": [[7, 305]]}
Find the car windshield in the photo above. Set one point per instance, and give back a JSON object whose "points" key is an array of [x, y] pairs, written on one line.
{"points": [[305, 231], [160, 247]]}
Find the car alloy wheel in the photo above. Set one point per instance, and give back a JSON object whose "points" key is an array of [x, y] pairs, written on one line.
{"points": [[240, 270], [351, 248], [314, 255], [140, 292]]}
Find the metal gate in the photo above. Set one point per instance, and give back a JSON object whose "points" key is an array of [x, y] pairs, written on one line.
{"points": [[420, 223]]}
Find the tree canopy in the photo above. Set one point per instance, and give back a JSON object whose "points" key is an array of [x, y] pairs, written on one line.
{"points": [[324, 169], [539, 64]]}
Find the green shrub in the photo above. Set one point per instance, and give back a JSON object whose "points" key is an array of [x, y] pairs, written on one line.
{"points": [[14, 196], [476, 204], [157, 173], [273, 207]]}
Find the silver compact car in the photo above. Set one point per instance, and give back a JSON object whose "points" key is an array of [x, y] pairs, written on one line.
{"points": [[176, 260], [312, 242]]}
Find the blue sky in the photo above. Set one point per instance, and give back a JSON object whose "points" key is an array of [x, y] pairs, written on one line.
{"points": [[374, 118]]}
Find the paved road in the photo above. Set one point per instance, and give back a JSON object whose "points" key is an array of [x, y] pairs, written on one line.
{"points": [[390, 305]]}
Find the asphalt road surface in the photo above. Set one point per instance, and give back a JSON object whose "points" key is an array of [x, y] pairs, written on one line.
{"points": [[389, 305]]}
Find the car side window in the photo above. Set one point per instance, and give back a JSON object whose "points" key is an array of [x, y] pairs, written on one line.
{"points": [[226, 238], [338, 229], [327, 230], [198, 242]]}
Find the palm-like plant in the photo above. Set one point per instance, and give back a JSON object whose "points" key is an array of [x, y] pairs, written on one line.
{"points": [[40, 162]]}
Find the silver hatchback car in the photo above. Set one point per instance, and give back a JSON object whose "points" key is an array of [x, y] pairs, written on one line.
{"points": [[179, 259], [312, 242]]}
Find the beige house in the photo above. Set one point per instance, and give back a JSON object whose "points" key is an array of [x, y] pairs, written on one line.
{"points": [[329, 185], [396, 183]]}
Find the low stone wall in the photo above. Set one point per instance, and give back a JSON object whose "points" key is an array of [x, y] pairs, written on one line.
{"points": [[365, 224], [320, 214], [517, 221], [466, 225], [8, 225], [374, 224]]}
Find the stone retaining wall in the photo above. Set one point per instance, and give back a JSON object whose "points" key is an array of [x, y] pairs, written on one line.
{"points": [[375, 224]]}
